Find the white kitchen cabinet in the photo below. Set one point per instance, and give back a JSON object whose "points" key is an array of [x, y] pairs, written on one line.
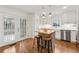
{"points": [[73, 36], [57, 35]]}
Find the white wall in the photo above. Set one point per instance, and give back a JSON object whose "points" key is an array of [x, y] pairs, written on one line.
{"points": [[17, 14], [30, 27], [65, 16], [69, 17]]}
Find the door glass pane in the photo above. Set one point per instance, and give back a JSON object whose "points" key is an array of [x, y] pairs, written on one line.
{"points": [[22, 27], [9, 29], [9, 26]]}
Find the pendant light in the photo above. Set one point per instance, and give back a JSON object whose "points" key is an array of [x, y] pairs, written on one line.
{"points": [[50, 13], [44, 13]]}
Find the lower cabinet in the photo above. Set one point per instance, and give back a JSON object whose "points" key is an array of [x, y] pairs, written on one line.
{"points": [[66, 35]]}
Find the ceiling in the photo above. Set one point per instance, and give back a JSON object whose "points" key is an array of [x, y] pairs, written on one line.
{"points": [[41, 8]]}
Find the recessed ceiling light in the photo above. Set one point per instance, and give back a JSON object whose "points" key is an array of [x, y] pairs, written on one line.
{"points": [[64, 7]]}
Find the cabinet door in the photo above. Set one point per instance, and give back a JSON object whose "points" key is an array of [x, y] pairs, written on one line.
{"points": [[73, 36]]}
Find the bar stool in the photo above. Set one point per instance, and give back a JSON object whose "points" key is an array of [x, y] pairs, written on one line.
{"points": [[38, 38], [48, 41]]}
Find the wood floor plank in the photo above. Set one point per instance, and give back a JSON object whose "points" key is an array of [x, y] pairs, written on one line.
{"points": [[26, 46]]}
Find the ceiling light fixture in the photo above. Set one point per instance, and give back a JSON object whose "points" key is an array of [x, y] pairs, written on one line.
{"points": [[50, 14], [45, 14]]}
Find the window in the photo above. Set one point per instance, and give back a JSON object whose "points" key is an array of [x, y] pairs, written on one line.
{"points": [[56, 20]]}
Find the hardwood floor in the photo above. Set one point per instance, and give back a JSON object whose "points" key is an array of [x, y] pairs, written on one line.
{"points": [[26, 46], [65, 47]]}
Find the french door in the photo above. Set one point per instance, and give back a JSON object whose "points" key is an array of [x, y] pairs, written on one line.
{"points": [[9, 28], [22, 27]]}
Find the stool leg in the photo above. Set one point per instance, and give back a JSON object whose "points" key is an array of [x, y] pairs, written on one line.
{"points": [[41, 44], [34, 42], [48, 47], [51, 45], [45, 44], [38, 44]]}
